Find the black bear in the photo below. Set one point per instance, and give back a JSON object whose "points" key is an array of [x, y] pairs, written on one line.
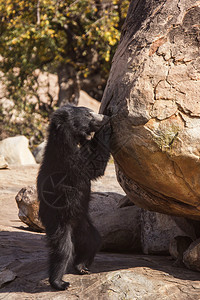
{"points": [[72, 158]]}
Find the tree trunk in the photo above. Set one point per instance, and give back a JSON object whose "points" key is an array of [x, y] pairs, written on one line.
{"points": [[152, 95], [68, 81]]}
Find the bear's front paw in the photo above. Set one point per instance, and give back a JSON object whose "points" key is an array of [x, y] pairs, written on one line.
{"points": [[103, 136]]}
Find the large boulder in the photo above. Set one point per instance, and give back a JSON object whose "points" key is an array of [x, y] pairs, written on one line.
{"points": [[15, 151], [120, 228], [152, 95]]}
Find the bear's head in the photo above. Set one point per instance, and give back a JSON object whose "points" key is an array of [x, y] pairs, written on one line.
{"points": [[76, 122]]}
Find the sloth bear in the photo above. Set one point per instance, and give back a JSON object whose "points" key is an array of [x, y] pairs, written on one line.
{"points": [[72, 158]]}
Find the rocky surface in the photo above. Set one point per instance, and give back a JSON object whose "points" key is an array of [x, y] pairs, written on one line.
{"points": [[120, 228], [15, 150], [114, 276], [152, 95], [23, 259], [157, 230]]}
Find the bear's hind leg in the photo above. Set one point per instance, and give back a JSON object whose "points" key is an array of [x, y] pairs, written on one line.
{"points": [[60, 256], [87, 243]]}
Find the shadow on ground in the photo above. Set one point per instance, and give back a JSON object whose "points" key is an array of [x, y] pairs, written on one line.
{"points": [[25, 254]]}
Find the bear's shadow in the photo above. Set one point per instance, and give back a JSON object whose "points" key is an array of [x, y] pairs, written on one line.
{"points": [[25, 254]]}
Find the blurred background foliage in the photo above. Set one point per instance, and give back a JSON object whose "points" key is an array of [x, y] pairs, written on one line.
{"points": [[75, 40]]}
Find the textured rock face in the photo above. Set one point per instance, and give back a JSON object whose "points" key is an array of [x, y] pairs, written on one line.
{"points": [[153, 97], [157, 230], [28, 206], [119, 227]]}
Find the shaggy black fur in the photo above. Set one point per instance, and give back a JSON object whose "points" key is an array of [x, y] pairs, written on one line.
{"points": [[70, 162]]}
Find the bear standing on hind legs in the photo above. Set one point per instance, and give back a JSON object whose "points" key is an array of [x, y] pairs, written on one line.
{"points": [[71, 160]]}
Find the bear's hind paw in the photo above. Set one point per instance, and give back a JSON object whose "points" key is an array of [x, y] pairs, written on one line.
{"points": [[82, 270], [60, 285]]}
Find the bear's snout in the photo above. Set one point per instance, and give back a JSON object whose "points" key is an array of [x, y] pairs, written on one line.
{"points": [[99, 120]]}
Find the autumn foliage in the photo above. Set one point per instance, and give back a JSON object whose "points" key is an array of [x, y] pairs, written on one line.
{"points": [[74, 40], [45, 34]]}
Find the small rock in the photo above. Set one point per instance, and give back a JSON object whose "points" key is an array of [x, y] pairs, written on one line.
{"points": [[6, 276], [191, 256], [15, 151], [28, 208]]}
